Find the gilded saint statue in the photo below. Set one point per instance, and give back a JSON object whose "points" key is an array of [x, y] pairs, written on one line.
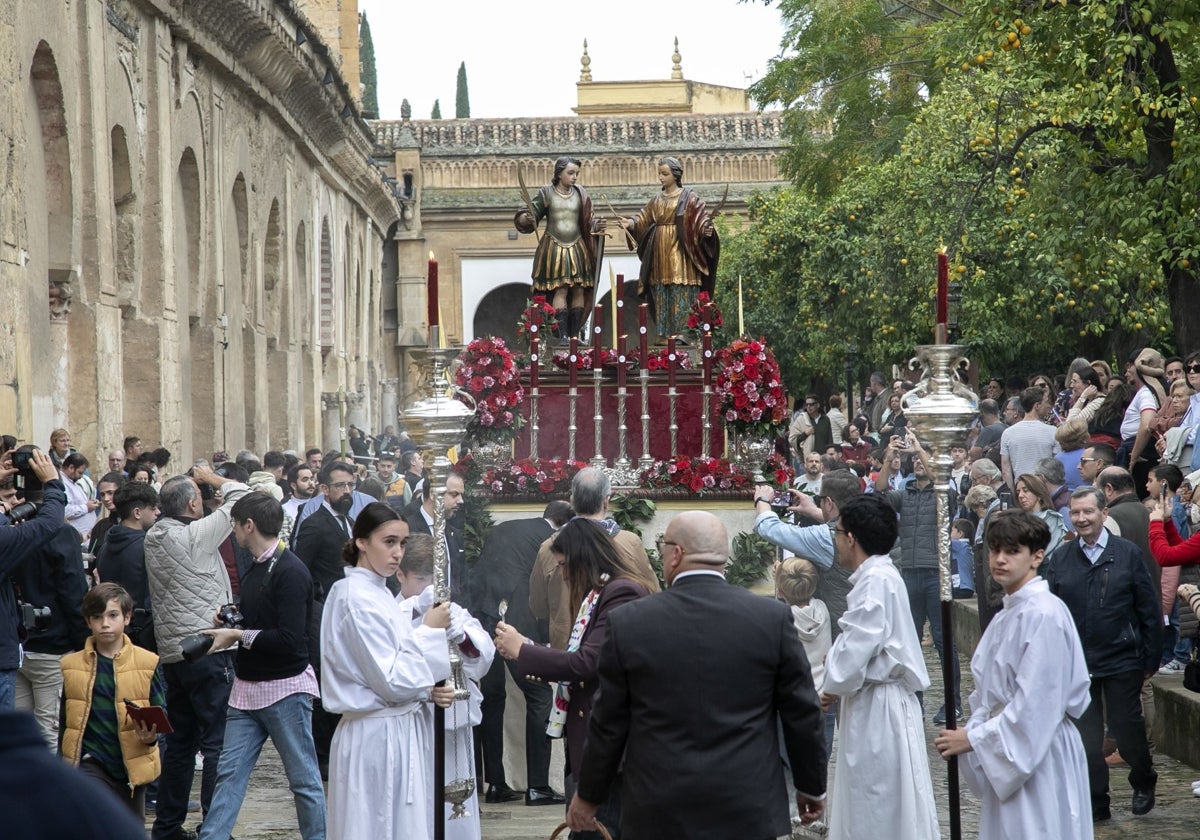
{"points": [[566, 259], [679, 249]]}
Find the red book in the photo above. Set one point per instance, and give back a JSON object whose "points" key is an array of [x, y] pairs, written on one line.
{"points": [[150, 716]]}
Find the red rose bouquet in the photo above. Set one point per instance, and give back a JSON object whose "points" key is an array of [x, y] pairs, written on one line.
{"points": [[532, 475], [661, 359], [704, 317], [537, 321], [749, 388], [587, 360], [488, 372]]}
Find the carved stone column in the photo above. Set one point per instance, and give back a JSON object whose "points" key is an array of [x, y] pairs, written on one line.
{"points": [[389, 404], [61, 292], [355, 409], [331, 420]]}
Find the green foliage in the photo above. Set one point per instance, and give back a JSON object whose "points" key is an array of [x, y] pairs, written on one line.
{"points": [[1057, 159], [436, 113], [752, 556], [462, 100], [366, 72], [629, 512]]}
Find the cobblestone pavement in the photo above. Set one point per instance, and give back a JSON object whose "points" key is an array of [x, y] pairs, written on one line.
{"points": [[269, 814]]}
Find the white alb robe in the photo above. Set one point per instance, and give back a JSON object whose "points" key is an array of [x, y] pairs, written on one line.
{"points": [[377, 671], [1027, 764], [460, 718], [881, 783]]}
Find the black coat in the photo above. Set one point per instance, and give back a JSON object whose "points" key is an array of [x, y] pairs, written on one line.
{"points": [[1116, 608], [460, 574], [52, 576], [502, 573], [16, 543], [122, 560], [692, 683], [319, 543]]}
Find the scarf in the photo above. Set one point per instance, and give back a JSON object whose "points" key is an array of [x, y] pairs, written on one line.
{"points": [[562, 692]]}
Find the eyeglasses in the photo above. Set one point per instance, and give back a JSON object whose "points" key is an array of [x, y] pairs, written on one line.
{"points": [[1087, 460], [342, 485], [810, 405], [817, 499], [1192, 368], [660, 542]]}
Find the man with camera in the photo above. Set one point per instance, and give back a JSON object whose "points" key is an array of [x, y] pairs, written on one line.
{"points": [[188, 585], [31, 528], [275, 684]]}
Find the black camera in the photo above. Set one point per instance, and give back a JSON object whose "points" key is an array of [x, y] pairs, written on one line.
{"points": [[26, 479], [194, 647], [23, 512], [207, 493], [34, 618], [781, 499]]}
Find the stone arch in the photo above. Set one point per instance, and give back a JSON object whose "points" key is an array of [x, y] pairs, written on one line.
{"points": [[51, 235], [125, 218], [272, 248], [236, 260], [300, 312], [500, 310], [199, 397], [276, 296]]}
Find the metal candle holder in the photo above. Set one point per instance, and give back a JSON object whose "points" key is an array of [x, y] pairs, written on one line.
{"points": [[572, 398], [598, 461], [533, 422], [939, 410], [645, 462]]}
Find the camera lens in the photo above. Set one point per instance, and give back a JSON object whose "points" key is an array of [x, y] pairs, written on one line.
{"points": [[196, 646]]}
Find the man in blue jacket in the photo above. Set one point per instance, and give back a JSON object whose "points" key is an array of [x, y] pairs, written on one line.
{"points": [[1118, 612]]}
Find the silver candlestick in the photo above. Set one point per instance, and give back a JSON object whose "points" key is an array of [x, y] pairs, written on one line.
{"points": [[645, 462], [598, 459]]}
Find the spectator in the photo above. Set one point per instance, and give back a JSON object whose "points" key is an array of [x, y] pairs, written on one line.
{"points": [[1034, 497], [1025, 442], [837, 419], [987, 445], [106, 489], [81, 507], [1144, 374], [1095, 459], [122, 558]]}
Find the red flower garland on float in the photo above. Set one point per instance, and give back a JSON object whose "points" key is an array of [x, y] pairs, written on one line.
{"points": [[694, 474], [489, 374], [532, 475], [537, 321], [661, 359], [749, 387], [704, 313]]}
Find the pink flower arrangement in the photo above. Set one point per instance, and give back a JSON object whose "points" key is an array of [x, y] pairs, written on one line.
{"points": [[749, 387], [608, 358], [489, 374], [695, 474], [532, 475]]}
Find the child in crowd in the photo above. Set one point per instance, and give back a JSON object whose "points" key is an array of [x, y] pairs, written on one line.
{"points": [[962, 559], [1024, 757], [795, 583], [99, 736], [477, 651]]}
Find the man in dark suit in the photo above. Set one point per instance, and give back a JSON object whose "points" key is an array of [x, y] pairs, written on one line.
{"points": [[692, 685], [502, 575], [419, 516]]}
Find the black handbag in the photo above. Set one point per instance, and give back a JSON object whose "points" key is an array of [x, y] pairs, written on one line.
{"points": [[1191, 674]]}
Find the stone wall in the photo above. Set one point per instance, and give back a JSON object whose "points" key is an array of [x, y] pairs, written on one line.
{"points": [[183, 180]]}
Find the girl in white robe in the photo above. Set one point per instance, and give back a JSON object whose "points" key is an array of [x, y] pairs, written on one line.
{"points": [[881, 782], [1022, 755], [379, 673], [477, 651]]}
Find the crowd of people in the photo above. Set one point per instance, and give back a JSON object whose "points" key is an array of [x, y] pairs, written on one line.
{"points": [[290, 597]]}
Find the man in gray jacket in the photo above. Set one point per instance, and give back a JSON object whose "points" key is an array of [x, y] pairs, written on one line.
{"points": [[188, 585]]}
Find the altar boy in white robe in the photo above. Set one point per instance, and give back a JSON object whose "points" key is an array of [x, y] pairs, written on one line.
{"points": [[477, 650], [1023, 756], [881, 783]]}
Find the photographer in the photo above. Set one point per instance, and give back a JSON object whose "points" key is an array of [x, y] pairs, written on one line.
{"points": [[188, 584], [16, 544], [275, 685]]}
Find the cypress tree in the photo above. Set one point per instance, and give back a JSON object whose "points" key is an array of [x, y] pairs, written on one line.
{"points": [[462, 100], [437, 110], [366, 63]]}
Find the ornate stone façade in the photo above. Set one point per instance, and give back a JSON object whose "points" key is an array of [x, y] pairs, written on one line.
{"points": [[192, 230], [458, 184]]}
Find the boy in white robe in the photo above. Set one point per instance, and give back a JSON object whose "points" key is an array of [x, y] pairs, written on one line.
{"points": [[477, 651], [881, 783], [1023, 756]]}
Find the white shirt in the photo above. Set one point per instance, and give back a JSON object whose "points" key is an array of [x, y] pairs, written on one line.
{"points": [[1143, 400], [1093, 552]]}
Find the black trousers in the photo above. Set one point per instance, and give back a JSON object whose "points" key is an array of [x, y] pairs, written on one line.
{"points": [[1120, 698], [538, 698]]}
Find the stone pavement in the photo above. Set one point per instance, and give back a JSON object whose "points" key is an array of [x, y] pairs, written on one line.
{"points": [[268, 813]]}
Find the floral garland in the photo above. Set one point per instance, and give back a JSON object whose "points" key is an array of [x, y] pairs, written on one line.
{"points": [[661, 359], [778, 471], [489, 374], [537, 318], [704, 313], [696, 475], [608, 358], [749, 388], [532, 475]]}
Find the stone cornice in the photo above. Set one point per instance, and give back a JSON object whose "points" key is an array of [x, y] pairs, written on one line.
{"points": [[552, 136], [258, 37], [507, 200]]}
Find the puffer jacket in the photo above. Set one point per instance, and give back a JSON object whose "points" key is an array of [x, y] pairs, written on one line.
{"points": [[188, 579], [918, 537], [1116, 608]]}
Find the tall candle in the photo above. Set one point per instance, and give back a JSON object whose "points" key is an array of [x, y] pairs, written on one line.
{"points": [[671, 361], [573, 361], [741, 312], [618, 306], [431, 292], [706, 352], [643, 309], [613, 296], [621, 360], [943, 286], [533, 363], [597, 333]]}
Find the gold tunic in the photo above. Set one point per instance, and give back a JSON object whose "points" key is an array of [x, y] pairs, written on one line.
{"points": [[670, 265]]}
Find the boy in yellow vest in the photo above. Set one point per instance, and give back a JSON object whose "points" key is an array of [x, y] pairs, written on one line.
{"points": [[98, 734]]}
